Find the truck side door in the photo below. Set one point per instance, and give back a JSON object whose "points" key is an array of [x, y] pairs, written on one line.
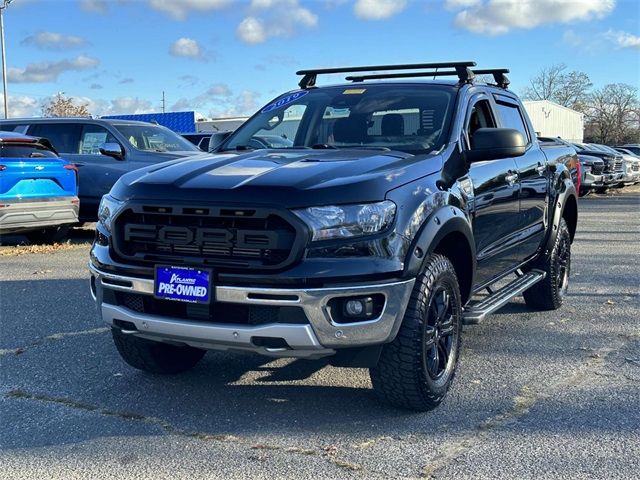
{"points": [[532, 173], [495, 199]]}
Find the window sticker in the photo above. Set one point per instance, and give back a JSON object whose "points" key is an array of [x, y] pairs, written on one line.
{"points": [[354, 91], [285, 101]]}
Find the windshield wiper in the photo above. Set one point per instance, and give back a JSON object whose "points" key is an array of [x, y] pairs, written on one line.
{"points": [[324, 146], [364, 147]]}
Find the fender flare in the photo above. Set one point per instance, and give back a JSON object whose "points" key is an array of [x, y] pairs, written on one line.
{"points": [[438, 225], [567, 194]]}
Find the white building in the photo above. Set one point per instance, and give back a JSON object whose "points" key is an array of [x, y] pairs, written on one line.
{"points": [[552, 120], [220, 124]]}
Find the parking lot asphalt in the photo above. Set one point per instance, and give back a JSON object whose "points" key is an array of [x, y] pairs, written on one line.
{"points": [[538, 394]]}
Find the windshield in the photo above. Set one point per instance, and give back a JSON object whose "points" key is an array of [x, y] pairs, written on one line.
{"points": [[407, 118], [154, 138]]}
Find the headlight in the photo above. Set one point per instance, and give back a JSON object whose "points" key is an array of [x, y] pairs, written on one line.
{"points": [[108, 208], [347, 221]]}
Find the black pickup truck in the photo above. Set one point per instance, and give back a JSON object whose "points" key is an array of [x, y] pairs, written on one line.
{"points": [[404, 208]]}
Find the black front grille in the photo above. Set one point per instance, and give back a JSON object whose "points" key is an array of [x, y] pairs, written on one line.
{"points": [[597, 168], [225, 238]]}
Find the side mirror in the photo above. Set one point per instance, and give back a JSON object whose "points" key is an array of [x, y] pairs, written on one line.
{"points": [[112, 150], [496, 143]]}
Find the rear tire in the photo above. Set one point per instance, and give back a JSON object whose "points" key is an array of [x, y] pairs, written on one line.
{"points": [[48, 235], [155, 357], [549, 293], [417, 368]]}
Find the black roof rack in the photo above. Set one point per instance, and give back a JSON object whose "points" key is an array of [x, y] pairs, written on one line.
{"points": [[499, 75], [461, 69]]}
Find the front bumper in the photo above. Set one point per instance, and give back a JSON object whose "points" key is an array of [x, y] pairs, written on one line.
{"points": [[592, 180], [611, 179], [22, 216], [320, 337]]}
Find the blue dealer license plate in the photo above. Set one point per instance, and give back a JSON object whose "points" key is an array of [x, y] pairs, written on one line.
{"points": [[184, 284]]}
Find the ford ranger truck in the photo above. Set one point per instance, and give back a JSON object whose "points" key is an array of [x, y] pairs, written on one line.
{"points": [[406, 205]]}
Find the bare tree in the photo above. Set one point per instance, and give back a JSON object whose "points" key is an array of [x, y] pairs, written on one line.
{"points": [[613, 114], [61, 106], [554, 83]]}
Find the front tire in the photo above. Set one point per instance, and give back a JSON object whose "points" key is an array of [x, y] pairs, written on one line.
{"points": [[549, 293], [417, 368], [48, 236], [155, 357]]}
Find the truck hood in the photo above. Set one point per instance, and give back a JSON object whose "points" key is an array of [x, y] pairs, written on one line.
{"points": [[290, 178]]}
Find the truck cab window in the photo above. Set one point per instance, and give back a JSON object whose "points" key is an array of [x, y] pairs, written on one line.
{"points": [[480, 117], [512, 118]]}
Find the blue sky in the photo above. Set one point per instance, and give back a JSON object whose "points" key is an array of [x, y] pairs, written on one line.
{"points": [[226, 57]]}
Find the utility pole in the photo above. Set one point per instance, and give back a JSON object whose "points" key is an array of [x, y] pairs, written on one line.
{"points": [[163, 101], [3, 7]]}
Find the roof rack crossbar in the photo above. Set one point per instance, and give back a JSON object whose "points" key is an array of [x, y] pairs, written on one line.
{"points": [[309, 76], [498, 75]]}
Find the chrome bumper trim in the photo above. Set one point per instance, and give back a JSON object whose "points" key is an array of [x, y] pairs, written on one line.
{"points": [[314, 302], [300, 338]]}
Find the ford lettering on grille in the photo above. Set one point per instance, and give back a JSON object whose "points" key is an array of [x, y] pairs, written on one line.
{"points": [[202, 236]]}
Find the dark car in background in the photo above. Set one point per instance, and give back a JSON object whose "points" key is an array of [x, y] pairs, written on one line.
{"points": [[104, 150], [613, 165], [634, 148], [587, 174], [38, 190], [199, 139]]}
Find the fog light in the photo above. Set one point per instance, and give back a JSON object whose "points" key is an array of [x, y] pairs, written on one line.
{"points": [[354, 308], [358, 307]]}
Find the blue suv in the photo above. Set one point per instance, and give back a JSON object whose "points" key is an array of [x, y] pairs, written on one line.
{"points": [[38, 190], [104, 150]]}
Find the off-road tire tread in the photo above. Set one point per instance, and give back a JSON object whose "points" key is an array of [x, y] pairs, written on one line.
{"points": [[155, 357], [398, 377], [544, 295]]}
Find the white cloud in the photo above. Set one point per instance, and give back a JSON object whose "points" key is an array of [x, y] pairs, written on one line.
{"points": [[378, 9], [49, 71], [221, 101], [216, 93], [245, 103], [455, 4], [496, 17], [94, 6], [180, 9], [54, 41], [274, 18], [186, 47], [126, 105], [623, 39], [252, 31], [21, 105]]}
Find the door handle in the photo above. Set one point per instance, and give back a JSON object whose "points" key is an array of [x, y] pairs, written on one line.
{"points": [[511, 177], [541, 168]]}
